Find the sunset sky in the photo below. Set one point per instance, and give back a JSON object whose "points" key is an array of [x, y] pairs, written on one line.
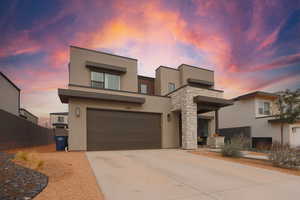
{"points": [[251, 45]]}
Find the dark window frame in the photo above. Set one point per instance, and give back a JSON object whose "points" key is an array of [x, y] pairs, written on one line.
{"points": [[60, 119], [102, 83]]}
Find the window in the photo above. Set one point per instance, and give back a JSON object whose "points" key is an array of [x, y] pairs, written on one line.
{"points": [[97, 80], [171, 87], [144, 89], [60, 119], [112, 81], [105, 80], [264, 108]]}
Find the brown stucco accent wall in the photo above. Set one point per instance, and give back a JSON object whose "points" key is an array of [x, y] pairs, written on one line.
{"points": [[147, 81]]}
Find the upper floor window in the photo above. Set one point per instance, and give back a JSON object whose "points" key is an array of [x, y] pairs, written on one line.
{"points": [[97, 80], [171, 87], [105, 80], [144, 89], [264, 108], [60, 119]]}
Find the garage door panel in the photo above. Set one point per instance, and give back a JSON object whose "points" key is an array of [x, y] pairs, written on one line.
{"points": [[116, 130], [121, 146]]}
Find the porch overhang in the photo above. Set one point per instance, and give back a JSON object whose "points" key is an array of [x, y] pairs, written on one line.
{"points": [[66, 94], [105, 67], [201, 82], [208, 104]]}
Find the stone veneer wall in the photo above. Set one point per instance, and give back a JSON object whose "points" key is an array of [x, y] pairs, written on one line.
{"points": [[183, 100]]}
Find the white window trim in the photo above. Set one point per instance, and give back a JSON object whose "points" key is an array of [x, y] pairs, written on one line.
{"points": [[258, 103]]}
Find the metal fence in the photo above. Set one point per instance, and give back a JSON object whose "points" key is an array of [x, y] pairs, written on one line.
{"points": [[236, 131], [16, 132]]}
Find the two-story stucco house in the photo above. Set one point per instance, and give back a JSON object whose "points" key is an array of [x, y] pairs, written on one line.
{"points": [[9, 95], [111, 107], [59, 120], [256, 111]]}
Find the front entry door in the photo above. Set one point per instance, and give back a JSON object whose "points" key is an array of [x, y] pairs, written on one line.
{"points": [[202, 131]]}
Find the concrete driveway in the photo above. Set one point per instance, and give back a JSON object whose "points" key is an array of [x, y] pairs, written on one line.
{"points": [[177, 174]]}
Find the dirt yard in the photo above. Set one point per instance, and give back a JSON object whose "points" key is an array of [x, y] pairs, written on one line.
{"points": [[70, 175], [245, 161]]}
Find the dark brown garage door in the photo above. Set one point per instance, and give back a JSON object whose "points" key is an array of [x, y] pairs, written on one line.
{"points": [[119, 130]]}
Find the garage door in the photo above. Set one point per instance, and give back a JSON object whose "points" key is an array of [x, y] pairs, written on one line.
{"points": [[295, 137], [120, 130]]}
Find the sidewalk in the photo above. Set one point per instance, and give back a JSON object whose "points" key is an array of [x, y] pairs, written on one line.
{"points": [[245, 154]]}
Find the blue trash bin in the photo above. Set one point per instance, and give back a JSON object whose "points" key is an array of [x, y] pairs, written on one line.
{"points": [[61, 142]]}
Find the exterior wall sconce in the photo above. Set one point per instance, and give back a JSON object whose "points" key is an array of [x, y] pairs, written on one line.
{"points": [[169, 117], [77, 112]]}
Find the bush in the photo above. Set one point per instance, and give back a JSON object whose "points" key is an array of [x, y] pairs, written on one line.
{"points": [[39, 165], [284, 156], [233, 147], [21, 155], [29, 160], [230, 150]]}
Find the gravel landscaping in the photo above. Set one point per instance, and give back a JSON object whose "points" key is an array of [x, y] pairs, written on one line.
{"points": [[17, 182], [70, 175]]}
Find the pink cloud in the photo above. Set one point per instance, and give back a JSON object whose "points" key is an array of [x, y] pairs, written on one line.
{"points": [[20, 44], [154, 33], [270, 39], [278, 63]]}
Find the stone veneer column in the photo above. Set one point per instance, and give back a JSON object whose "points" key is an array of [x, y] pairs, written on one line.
{"points": [[189, 120]]}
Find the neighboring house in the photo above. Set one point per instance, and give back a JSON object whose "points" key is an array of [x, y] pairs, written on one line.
{"points": [[9, 95], [59, 120], [111, 107], [253, 113], [28, 115]]}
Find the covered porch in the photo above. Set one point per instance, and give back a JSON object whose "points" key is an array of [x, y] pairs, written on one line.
{"points": [[193, 104], [208, 104]]}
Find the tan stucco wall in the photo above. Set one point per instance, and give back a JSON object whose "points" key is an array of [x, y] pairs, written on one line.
{"points": [[9, 97], [262, 128], [187, 72], [242, 113], [154, 104], [157, 84], [164, 76], [80, 74]]}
